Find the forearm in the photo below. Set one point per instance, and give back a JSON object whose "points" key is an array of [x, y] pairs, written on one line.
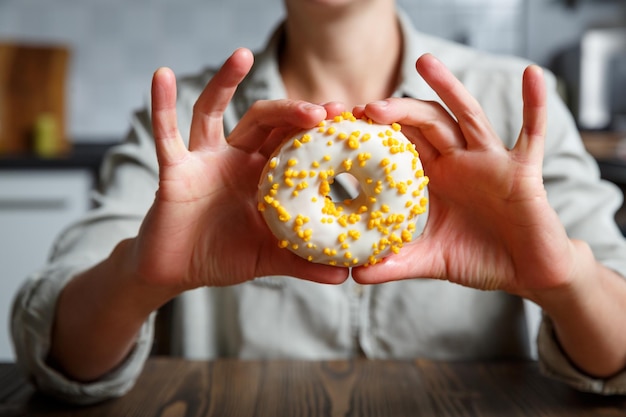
{"points": [[589, 316], [99, 314]]}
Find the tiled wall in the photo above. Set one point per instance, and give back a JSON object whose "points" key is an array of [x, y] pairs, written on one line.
{"points": [[117, 44]]}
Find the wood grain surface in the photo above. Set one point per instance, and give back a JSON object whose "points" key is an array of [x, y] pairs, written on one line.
{"points": [[173, 387]]}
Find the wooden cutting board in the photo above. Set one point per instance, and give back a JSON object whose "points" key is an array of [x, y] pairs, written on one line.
{"points": [[33, 99]]}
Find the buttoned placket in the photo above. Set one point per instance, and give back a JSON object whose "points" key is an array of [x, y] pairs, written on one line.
{"points": [[357, 299]]}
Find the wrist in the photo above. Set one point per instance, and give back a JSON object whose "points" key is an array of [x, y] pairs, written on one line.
{"points": [[135, 285], [586, 312], [576, 289]]}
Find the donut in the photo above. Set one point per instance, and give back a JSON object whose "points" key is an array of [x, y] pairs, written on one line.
{"points": [[346, 193]]}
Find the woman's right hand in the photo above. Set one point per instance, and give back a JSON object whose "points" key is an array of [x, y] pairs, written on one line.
{"points": [[204, 227]]}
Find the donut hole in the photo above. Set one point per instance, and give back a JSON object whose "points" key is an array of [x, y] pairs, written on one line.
{"points": [[345, 187]]}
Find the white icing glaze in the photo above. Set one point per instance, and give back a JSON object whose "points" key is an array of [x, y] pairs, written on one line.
{"points": [[296, 186]]}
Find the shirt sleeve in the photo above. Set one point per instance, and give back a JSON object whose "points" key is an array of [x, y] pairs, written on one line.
{"points": [[32, 319], [555, 364], [128, 181]]}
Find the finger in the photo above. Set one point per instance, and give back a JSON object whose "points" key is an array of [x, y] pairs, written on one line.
{"points": [[170, 147], [276, 138], [473, 122], [207, 125], [531, 139], [433, 122], [334, 108], [399, 266], [288, 264], [279, 135], [264, 116]]}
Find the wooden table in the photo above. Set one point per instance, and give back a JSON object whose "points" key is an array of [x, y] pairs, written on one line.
{"points": [[175, 387]]}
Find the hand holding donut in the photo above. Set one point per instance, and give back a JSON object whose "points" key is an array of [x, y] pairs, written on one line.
{"points": [[490, 224], [203, 227]]}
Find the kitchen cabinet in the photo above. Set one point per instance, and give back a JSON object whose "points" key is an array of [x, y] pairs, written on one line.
{"points": [[35, 205]]}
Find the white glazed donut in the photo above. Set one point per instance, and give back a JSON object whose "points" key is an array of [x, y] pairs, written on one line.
{"points": [[297, 195]]}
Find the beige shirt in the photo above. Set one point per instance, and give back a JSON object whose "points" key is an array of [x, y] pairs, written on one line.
{"points": [[286, 317]]}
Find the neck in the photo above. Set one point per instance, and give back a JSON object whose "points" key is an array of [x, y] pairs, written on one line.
{"points": [[350, 56]]}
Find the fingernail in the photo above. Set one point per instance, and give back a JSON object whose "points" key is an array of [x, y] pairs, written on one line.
{"points": [[380, 103]]}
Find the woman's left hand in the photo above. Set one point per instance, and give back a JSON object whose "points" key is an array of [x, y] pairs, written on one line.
{"points": [[490, 225]]}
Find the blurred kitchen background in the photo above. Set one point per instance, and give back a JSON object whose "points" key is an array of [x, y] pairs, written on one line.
{"points": [[71, 73], [115, 45]]}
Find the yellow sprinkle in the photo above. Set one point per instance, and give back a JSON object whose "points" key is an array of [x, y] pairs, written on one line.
{"points": [[273, 162], [297, 143], [331, 130], [354, 218], [283, 244], [396, 127], [353, 143], [327, 251], [283, 214], [305, 138], [354, 234], [324, 188]]}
